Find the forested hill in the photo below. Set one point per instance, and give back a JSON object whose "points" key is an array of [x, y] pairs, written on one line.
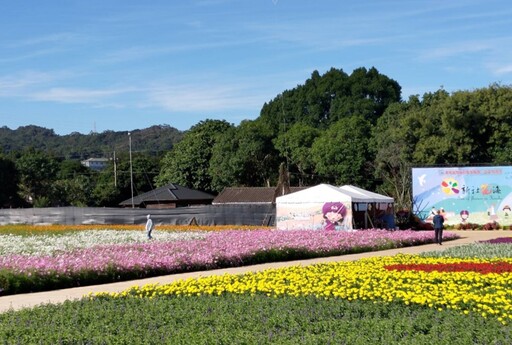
{"points": [[153, 140]]}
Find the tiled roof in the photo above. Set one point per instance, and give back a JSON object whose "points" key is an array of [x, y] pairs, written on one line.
{"points": [[170, 192], [250, 195]]}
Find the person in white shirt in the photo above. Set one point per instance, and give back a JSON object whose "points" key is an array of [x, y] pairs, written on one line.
{"points": [[149, 227]]}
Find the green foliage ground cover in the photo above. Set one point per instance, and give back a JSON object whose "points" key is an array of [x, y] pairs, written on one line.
{"points": [[245, 319]]}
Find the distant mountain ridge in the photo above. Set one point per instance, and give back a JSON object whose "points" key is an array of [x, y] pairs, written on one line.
{"points": [[153, 140]]}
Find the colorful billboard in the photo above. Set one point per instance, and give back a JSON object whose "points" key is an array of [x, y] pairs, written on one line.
{"points": [[477, 195]]}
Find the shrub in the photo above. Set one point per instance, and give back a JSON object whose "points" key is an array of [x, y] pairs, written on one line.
{"points": [[491, 226]]}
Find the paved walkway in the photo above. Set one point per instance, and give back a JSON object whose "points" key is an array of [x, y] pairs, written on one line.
{"points": [[16, 302]]}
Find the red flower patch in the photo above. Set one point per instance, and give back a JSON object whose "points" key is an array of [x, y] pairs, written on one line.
{"points": [[483, 267]]}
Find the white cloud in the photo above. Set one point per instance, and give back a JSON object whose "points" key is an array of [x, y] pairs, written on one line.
{"points": [[52, 39], [144, 52], [456, 50], [501, 69], [69, 95], [18, 85], [193, 98]]}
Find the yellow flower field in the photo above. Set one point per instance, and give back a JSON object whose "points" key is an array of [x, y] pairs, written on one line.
{"points": [[489, 295]]}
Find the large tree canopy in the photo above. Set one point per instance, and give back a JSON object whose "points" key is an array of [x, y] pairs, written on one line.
{"points": [[341, 153], [295, 146], [37, 172], [244, 156], [325, 99], [188, 163], [466, 127]]}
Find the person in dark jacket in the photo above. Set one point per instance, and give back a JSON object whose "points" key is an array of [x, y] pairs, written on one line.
{"points": [[438, 227]]}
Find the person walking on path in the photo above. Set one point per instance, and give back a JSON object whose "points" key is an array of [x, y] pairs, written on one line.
{"points": [[438, 227], [149, 227]]}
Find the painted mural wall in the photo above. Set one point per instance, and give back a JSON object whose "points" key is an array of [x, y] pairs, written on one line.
{"points": [[477, 195], [314, 216]]}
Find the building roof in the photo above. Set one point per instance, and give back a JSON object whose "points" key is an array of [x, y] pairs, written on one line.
{"points": [[319, 193], [372, 196], [327, 193], [249, 195], [170, 192]]}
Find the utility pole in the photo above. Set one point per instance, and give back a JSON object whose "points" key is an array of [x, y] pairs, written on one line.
{"points": [[131, 167], [115, 170]]}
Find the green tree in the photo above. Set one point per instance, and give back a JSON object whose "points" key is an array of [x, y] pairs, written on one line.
{"points": [[494, 106], [393, 145], [75, 191], [70, 168], [328, 98], [188, 162], [74, 184], [107, 190], [341, 154], [369, 94], [37, 171], [447, 129], [9, 179], [445, 133], [309, 103], [244, 156], [295, 145]]}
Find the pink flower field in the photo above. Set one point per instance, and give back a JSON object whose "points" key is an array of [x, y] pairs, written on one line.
{"points": [[218, 249]]}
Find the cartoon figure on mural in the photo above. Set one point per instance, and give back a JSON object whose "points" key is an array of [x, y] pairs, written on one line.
{"points": [[464, 215], [506, 209], [334, 213]]}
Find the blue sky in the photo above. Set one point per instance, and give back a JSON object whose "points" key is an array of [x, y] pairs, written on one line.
{"points": [[82, 66]]}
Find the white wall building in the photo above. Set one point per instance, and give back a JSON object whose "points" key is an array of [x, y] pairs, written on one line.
{"points": [[95, 163]]}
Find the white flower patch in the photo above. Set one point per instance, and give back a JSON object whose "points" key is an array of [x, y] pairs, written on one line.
{"points": [[475, 250], [50, 244]]}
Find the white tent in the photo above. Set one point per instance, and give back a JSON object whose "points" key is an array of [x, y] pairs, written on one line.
{"points": [[374, 197], [327, 207], [378, 212]]}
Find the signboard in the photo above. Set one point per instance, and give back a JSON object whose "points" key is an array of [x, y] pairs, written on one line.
{"points": [[477, 195]]}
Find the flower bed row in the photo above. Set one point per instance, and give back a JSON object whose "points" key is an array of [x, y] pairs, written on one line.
{"points": [[381, 279], [491, 226], [478, 267], [25, 229], [484, 249], [49, 244], [114, 262], [499, 240]]}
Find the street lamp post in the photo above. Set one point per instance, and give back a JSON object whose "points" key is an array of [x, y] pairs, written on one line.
{"points": [[131, 167]]}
